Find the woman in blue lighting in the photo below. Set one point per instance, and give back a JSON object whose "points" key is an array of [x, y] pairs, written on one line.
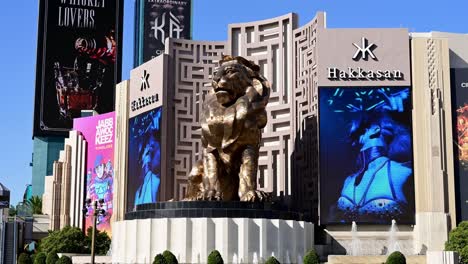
{"points": [[378, 190]]}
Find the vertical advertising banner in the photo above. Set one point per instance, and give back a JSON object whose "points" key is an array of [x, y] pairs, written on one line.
{"points": [[158, 20], [145, 155], [460, 117], [144, 158], [78, 61], [366, 155], [98, 131]]}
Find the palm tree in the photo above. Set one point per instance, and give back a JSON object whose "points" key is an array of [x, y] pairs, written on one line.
{"points": [[35, 203]]}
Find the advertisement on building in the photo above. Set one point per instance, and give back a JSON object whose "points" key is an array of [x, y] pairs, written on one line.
{"points": [[367, 131], [145, 148], [365, 126], [98, 131], [144, 158], [79, 61], [460, 118], [157, 20]]}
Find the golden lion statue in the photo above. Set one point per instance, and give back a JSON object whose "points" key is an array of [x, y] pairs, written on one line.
{"points": [[232, 118]]}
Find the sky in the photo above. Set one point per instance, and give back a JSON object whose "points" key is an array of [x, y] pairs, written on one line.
{"points": [[18, 31]]}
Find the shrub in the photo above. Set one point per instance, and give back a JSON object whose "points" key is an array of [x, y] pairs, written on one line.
{"points": [[64, 260], [272, 260], [67, 240], [396, 258], [40, 258], [311, 257], [103, 241], [24, 259], [32, 256], [51, 258], [159, 259], [464, 255], [169, 257], [215, 258], [458, 238]]}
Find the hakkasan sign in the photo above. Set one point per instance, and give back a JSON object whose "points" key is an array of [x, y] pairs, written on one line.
{"points": [[360, 57]]}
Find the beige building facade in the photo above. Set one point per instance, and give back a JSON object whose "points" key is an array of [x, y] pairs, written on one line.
{"points": [[290, 58]]}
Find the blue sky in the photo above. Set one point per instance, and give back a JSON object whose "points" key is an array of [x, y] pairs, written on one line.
{"points": [[18, 28]]}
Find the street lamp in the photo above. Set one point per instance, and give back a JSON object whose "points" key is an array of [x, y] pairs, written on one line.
{"points": [[98, 210]]}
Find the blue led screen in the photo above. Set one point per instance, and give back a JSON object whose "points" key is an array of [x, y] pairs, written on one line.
{"points": [[144, 158], [366, 155]]}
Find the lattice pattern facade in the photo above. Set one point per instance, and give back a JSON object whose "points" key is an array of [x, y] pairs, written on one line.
{"points": [[287, 58], [304, 117], [193, 63], [269, 44]]}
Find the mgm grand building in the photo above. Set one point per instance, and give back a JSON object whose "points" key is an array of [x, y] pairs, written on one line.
{"points": [[365, 131]]}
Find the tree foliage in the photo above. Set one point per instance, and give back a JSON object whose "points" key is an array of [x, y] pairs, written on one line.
{"points": [[396, 258], [24, 259], [458, 238], [103, 241], [169, 257], [159, 259], [67, 240], [215, 258], [12, 210], [464, 255], [35, 203], [272, 260], [311, 257], [40, 258]]}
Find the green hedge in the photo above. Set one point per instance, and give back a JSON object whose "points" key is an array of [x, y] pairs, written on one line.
{"points": [[24, 259], [40, 258], [169, 257], [311, 257], [396, 258], [64, 260], [51, 258], [215, 258], [159, 259], [272, 260]]}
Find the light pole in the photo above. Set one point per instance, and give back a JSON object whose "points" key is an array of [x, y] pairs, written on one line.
{"points": [[97, 211]]}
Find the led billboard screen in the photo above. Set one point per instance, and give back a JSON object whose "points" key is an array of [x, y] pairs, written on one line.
{"points": [[157, 20], [144, 158], [98, 131], [459, 82], [78, 62], [366, 156]]}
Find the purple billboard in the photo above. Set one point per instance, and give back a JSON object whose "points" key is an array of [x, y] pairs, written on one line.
{"points": [[98, 131]]}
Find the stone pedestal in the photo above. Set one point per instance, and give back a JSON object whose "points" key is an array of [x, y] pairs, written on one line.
{"points": [[430, 232], [249, 235], [442, 257]]}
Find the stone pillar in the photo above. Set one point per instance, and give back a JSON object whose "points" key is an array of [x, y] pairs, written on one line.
{"points": [[432, 141], [120, 151]]}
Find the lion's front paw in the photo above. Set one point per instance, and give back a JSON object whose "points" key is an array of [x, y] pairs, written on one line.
{"points": [[212, 195], [255, 196]]}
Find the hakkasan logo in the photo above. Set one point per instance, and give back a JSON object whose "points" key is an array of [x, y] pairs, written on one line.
{"points": [[364, 51], [144, 100]]}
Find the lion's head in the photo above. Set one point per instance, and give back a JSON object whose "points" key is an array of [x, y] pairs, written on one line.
{"points": [[232, 78]]}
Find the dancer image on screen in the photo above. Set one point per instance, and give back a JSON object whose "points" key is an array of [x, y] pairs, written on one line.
{"points": [[378, 189], [150, 161]]}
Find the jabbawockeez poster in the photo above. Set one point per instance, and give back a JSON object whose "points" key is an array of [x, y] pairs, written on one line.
{"points": [[98, 131], [78, 61], [158, 20]]}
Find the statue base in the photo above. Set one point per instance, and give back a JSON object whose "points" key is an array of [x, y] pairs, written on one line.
{"points": [[242, 232]]}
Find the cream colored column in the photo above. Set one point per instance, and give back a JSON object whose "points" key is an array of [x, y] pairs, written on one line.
{"points": [[120, 151], [432, 141]]}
